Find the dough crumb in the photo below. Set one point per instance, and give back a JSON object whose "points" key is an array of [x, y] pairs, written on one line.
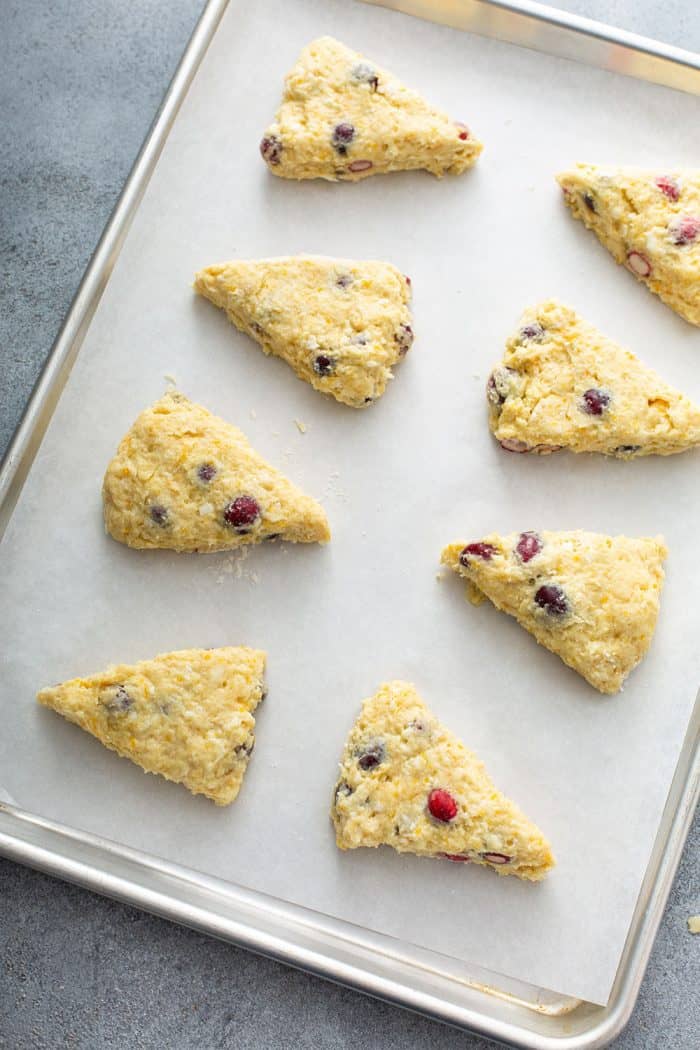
{"points": [[694, 923], [170, 379], [301, 427]]}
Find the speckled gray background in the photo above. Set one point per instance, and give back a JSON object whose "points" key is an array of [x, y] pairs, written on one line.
{"points": [[80, 81]]}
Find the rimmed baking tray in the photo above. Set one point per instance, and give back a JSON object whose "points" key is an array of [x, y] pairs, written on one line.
{"points": [[380, 965]]}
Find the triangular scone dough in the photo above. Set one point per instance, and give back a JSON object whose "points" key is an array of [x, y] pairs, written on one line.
{"points": [[407, 782], [562, 384], [185, 480], [591, 599], [186, 715], [340, 324], [649, 221], [343, 117]]}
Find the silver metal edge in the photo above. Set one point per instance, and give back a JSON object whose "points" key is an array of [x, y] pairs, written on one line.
{"points": [[608, 1022], [544, 28]]}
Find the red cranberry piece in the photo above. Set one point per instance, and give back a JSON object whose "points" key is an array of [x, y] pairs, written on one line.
{"points": [[441, 805], [206, 472], [626, 450], [485, 551], [588, 200], [498, 386], [373, 755], [552, 599], [116, 700], [456, 858], [532, 331], [514, 445], [343, 134], [363, 73], [159, 514], [324, 365], [404, 337], [496, 858], [344, 280], [639, 264], [360, 165], [594, 401], [408, 280], [684, 229], [241, 513], [668, 186], [271, 149], [463, 133], [528, 546]]}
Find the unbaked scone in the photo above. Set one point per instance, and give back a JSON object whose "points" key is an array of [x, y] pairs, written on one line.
{"points": [[649, 221], [591, 599], [185, 480], [562, 384], [343, 117], [186, 715], [340, 324], [407, 782]]}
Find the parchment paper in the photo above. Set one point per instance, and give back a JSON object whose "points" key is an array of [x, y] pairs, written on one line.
{"points": [[415, 471]]}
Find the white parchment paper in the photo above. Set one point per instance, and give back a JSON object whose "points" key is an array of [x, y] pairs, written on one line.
{"points": [[415, 471]]}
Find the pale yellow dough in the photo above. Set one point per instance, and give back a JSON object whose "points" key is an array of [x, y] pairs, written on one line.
{"points": [[591, 599], [649, 221], [183, 479], [341, 324], [343, 117], [396, 755], [562, 384], [186, 715]]}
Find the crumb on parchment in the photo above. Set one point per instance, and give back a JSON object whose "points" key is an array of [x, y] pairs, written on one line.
{"points": [[694, 923], [301, 426]]}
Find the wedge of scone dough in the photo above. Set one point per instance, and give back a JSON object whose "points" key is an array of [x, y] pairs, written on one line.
{"points": [[591, 599], [185, 480], [407, 782], [563, 384], [342, 325], [649, 221], [187, 715], [344, 117]]}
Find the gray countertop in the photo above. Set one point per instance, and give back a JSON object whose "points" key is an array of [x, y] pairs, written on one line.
{"points": [[80, 82]]}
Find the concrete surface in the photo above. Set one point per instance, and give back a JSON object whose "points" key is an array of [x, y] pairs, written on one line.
{"points": [[79, 84]]}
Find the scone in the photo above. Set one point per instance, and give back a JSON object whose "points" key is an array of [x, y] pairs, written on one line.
{"points": [[343, 117], [185, 480], [591, 599], [407, 782], [186, 715], [341, 325], [649, 221], [562, 384]]}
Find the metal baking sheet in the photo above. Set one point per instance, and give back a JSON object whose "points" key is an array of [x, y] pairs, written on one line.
{"points": [[80, 598]]}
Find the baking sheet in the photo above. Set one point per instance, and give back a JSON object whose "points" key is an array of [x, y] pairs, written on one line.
{"points": [[400, 480]]}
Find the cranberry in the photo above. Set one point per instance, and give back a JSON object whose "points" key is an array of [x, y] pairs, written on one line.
{"points": [[456, 858], [360, 165], [271, 149], [206, 472], [639, 264], [343, 134], [463, 130], [668, 186], [496, 858], [344, 280], [588, 200], [324, 365], [441, 805], [532, 331], [342, 789], [684, 229], [408, 280], [241, 513], [528, 546], [594, 401], [485, 551], [365, 74], [404, 337], [498, 386], [626, 450], [117, 701], [552, 599], [159, 514], [246, 748], [514, 445], [373, 755]]}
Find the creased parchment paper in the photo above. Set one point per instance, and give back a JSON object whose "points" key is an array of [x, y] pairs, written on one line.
{"points": [[413, 472]]}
